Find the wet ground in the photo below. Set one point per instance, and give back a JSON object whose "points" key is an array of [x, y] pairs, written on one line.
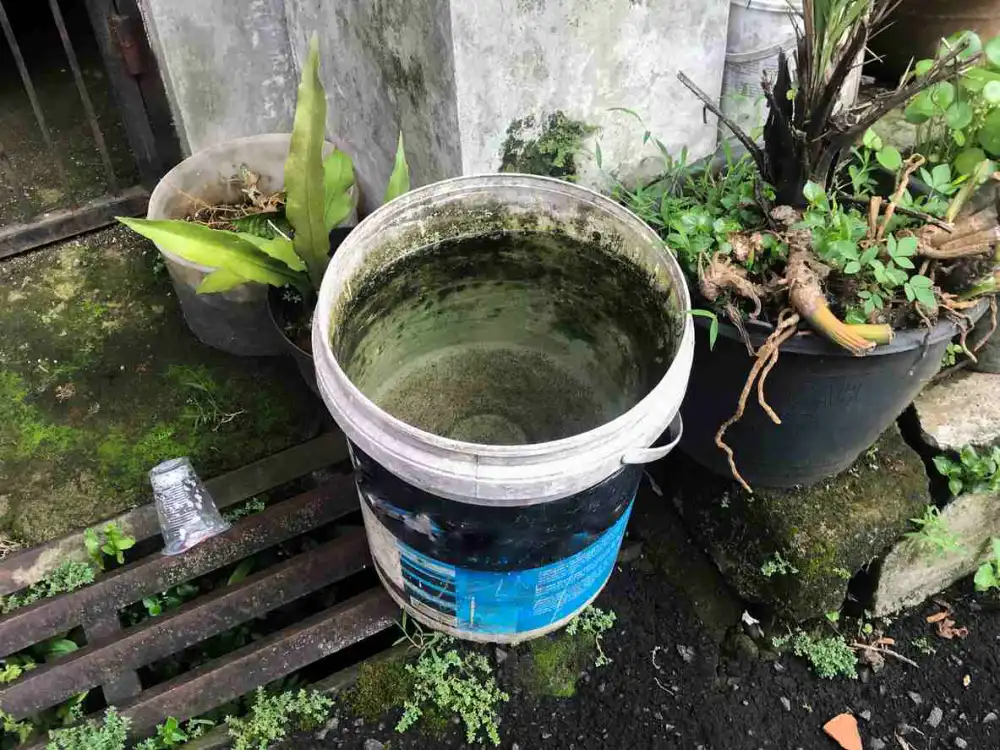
{"points": [[100, 379]]}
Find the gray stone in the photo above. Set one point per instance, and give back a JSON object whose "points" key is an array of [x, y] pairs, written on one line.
{"points": [[823, 532], [910, 573], [916, 698], [935, 717], [686, 653], [876, 744], [786, 703], [961, 410], [866, 715], [960, 743], [990, 717], [988, 356], [371, 744]]}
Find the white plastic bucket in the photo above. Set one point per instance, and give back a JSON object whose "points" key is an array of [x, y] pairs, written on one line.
{"points": [[236, 321], [758, 31], [422, 493]]}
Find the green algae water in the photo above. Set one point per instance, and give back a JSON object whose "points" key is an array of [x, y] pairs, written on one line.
{"points": [[508, 338]]}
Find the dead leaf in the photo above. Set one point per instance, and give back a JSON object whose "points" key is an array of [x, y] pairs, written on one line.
{"points": [[946, 629], [843, 729]]}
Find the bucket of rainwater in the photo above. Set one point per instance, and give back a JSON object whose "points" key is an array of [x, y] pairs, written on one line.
{"points": [[504, 353]]}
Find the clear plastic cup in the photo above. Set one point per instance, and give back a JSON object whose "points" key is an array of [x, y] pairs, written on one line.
{"points": [[186, 511]]}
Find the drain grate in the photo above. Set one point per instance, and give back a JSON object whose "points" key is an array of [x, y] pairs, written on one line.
{"points": [[115, 654]]}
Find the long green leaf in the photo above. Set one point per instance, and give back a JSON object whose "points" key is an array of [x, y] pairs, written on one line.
{"points": [[305, 204], [214, 247], [279, 248], [338, 178], [220, 281], [399, 180]]}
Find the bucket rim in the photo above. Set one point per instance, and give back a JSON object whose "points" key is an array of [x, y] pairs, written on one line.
{"points": [[322, 349]]}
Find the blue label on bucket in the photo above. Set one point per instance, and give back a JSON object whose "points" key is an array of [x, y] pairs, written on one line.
{"points": [[512, 601]]}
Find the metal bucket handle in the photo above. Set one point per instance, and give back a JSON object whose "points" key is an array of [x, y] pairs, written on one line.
{"points": [[648, 455]]}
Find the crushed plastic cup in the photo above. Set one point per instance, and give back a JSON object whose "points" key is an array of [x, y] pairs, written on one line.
{"points": [[186, 511]]}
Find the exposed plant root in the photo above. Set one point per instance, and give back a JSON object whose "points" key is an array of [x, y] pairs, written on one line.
{"points": [[877, 333], [767, 357], [736, 318], [721, 275], [805, 294], [972, 243], [909, 167], [993, 326]]}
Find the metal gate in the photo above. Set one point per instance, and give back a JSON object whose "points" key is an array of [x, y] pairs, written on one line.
{"points": [[70, 160]]}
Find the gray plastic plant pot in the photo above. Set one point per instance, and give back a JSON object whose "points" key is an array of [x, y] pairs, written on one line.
{"points": [[236, 321]]}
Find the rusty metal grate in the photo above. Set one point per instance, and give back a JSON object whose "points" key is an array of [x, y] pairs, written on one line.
{"points": [[115, 653], [141, 105]]}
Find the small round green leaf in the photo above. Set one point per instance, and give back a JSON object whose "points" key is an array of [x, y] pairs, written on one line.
{"points": [[920, 282], [872, 140], [992, 50], [942, 94], [967, 161], [920, 109], [991, 92], [890, 158], [959, 115], [989, 134], [923, 67]]}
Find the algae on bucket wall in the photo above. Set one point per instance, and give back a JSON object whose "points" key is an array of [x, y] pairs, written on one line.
{"points": [[507, 338]]}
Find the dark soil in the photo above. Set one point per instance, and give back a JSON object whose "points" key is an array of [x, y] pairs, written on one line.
{"points": [[685, 674]]}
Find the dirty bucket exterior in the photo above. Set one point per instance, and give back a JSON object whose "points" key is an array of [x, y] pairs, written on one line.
{"points": [[497, 543], [236, 321]]}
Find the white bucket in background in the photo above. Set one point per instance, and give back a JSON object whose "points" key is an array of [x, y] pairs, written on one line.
{"points": [[503, 539], [758, 31]]}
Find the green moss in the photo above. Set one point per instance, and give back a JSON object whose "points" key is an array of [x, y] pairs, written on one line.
{"points": [[556, 662], [550, 149], [24, 433], [381, 687], [838, 525]]}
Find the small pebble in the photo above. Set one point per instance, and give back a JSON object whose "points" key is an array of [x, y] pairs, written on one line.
{"points": [[374, 745], [916, 698], [960, 743], [501, 656], [877, 744], [687, 653], [866, 715], [990, 717], [786, 703], [936, 716]]}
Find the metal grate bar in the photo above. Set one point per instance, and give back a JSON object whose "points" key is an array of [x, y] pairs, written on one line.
{"points": [[262, 662], [33, 98], [31, 565], [122, 685], [162, 636], [81, 87], [157, 573]]}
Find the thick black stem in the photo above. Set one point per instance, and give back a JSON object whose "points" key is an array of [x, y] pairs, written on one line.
{"points": [[752, 148]]}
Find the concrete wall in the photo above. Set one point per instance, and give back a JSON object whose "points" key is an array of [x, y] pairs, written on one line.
{"points": [[584, 57], [451, 74], [227, 67], [387, 67]]}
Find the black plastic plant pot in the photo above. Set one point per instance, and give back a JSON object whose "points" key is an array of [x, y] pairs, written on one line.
{"points": [[832, 406], [283, 314]]}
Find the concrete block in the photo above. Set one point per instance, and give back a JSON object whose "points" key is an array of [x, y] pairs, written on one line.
{"points": [[797, 548], [910, 573], [961, 410]]}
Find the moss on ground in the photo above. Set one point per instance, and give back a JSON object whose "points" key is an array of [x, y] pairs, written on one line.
{"points": [[381, 687], [553, 665], [823, 534], [100, 380]]}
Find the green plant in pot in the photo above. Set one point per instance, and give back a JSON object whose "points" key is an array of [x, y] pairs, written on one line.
{"points": [[318, 198], [813, 265]]}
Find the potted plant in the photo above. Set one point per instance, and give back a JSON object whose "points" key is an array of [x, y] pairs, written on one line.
{"points": [[856, 291], [289, 256]]}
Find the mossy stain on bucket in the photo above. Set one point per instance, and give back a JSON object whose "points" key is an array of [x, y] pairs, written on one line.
{"points": [[507, 338]]}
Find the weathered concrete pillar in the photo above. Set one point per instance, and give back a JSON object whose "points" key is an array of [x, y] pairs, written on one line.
{"points": [[227, 67], [453, 75]]}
